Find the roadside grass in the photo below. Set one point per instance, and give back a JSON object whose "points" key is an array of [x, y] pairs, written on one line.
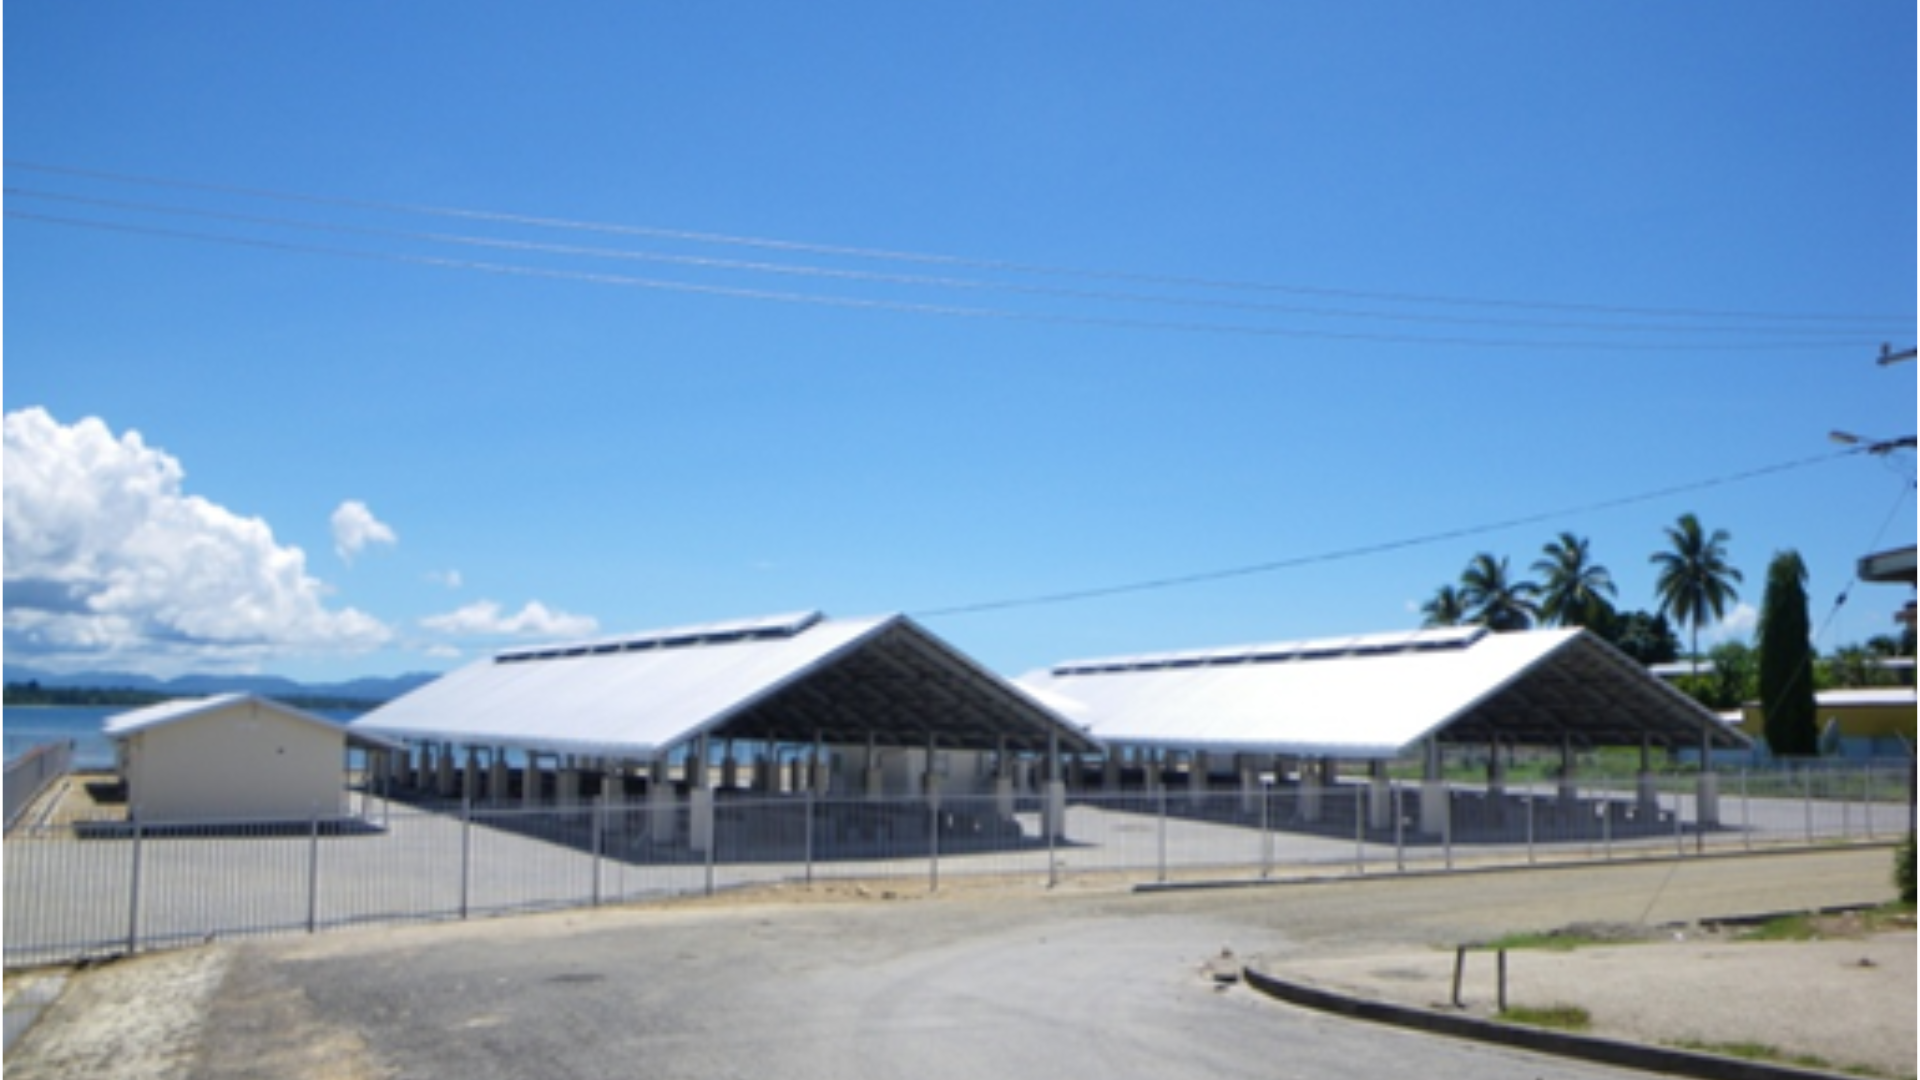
{"points": [[1546, 941], [1555, 1017], [1773, 1055], [1569, 938], [1898, 915]]}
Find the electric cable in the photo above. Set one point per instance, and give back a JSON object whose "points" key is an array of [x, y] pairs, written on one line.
{"points": [[886, 278], [918, 308], [1359, 551], [893, 255]]}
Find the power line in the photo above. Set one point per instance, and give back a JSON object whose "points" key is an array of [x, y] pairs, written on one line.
{"points": [[894, 255], [878, 277], [1344, 554], [917, 308]]}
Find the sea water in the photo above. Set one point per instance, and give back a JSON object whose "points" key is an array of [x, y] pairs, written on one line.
{"points": [[28, 726]]}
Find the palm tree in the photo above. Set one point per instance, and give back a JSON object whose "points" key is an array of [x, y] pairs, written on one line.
{"points": [[1447, 608], [1576, 587], [1494, 601], [1694, 581]]}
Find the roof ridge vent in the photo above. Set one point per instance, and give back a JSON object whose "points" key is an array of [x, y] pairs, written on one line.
{"points": [[1439, 639], [769, 628]]}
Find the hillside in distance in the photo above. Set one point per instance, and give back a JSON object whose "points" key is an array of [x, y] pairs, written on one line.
{"points": [[372, 690]]}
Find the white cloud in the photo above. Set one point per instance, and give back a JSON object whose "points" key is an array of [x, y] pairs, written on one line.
{"points": [[484, 618], [1738, 625], [354, 527], [110, 564], [449, 578]]}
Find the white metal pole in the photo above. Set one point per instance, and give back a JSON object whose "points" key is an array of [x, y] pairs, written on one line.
{"points": [[1399, 829], [466, 854], [1162, 789], [133, 895], [313, 868], [597, 839]]}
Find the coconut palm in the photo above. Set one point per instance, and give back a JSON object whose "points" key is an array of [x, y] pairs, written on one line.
{"points": [[1495, 601], [1694, 581], [1447, 608], [1577, 588]]}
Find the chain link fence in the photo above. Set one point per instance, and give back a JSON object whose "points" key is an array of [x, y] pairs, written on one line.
{"points": [[108, 885], [31, 773]]}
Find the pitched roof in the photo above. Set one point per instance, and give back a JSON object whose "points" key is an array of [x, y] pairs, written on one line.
{"points": [[789, 678], [128, 723], [1379, 695]]}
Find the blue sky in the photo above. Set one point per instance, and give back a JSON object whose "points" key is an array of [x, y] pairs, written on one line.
{"points": [[921, 307]]}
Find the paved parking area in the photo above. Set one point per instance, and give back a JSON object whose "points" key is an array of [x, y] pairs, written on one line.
{"points": [[830, 982]]}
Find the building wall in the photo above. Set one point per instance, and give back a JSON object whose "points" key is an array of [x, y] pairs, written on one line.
{"points": [[1866, 729], [242, 763]]}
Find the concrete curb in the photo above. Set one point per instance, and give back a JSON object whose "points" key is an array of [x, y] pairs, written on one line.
{"points": [[1207, 884], [25, 1006], [1656, 1059]]}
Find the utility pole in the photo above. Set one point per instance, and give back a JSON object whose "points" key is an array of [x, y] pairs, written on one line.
{"points": [[1886, 446]]}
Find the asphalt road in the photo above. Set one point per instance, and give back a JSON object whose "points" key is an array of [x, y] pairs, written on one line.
{"points": [[964, 984]]}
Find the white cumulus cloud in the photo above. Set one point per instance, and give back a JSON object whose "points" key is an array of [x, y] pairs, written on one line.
{"points": [[487, 618], [110, 564], [1739, 625], [354, 527]]}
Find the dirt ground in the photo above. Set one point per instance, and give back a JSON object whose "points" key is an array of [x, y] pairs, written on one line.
{"points": [[1846, 997]]}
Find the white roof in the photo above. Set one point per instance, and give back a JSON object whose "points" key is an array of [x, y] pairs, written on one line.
{"points": [[1878, 695], [169, 712], [1378, 695], [785, 678]]}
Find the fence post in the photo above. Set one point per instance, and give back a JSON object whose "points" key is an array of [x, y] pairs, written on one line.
{"points": [[313, 869], [597, 839], [1266, 829], [1606, 830], [1866, 797], [466, 853], [1446, 826], [1399, 829], [1162, 789], [1053, 865], [713, 832], [1746, 810], [807, 831], [1528, 803], [1360, 828], [1679, 835], [933, 845], [133, 895], [1806, 800]]}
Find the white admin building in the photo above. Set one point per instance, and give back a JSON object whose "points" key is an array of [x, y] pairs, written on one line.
{"points": [[233, 757]]}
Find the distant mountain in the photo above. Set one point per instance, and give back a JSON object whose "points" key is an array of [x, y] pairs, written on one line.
{"points": [[371, 689]]}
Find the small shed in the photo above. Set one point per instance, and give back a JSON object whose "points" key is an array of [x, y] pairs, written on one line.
{"points": [[233, 757]]}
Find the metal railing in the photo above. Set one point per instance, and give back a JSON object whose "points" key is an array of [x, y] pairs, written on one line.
{"points": [[95, 887], [31, 773]]}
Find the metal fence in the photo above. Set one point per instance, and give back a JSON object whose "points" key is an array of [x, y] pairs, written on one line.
{"points": [[84, 888], [29, 774]]}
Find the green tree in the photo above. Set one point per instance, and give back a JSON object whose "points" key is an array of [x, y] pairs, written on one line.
{"points": [[1694, 581], [1445, 609], [1576, 589], [1736, 675], [1884, 645], [1644, 635], [1786, 659], [1493, 599], [1854, 666]]}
